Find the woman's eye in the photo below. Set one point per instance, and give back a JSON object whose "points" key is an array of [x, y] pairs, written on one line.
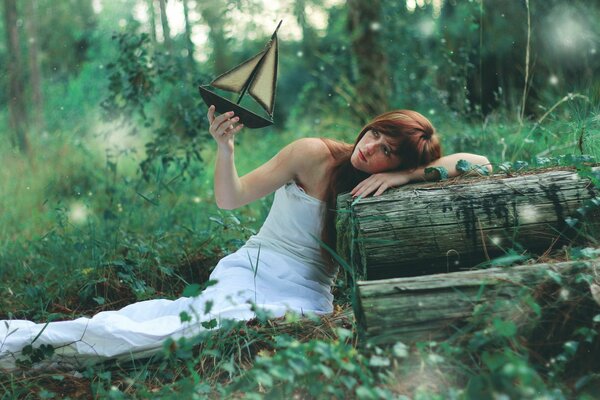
{"points": [[386, 151], [375, 133]]}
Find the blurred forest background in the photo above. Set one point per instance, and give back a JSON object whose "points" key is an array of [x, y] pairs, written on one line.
{"points": [[106, 180]]}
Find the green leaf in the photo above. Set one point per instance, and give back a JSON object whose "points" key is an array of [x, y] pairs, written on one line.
{"points": [[184, 317], [555, 276], [505, 167], [436, 173], [99, 300], [192, 290], [400, 350], [208, 306], [596, 318], [212, 324], [520, 165], [571, 347], [379, 361], [505, 328], [507, 260], [464, 166]]}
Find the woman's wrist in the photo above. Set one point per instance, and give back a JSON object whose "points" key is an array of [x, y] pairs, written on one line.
{"points": [[225, 150], [415, 175]]}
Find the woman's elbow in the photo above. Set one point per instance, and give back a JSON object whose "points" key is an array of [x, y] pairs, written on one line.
{"points": [[223, 204]]}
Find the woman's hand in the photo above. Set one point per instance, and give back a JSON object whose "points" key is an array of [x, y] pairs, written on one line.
{"points": [[223, 128], [379, 183]]}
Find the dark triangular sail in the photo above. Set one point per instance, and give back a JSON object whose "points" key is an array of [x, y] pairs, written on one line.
{"points": [[262, 88], [235, 79]]}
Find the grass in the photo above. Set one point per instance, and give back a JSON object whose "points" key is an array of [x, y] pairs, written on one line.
{"points": [[119, 239]]}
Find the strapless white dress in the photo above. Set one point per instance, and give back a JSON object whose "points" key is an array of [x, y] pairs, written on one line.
{"points": [[279, 269]]}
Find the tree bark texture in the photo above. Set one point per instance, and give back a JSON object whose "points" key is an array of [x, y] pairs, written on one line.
{"points": [[152, 18], [431, 228], [165, 24], [373, 83], [435, 307], [16, 101], [216, 20], [35, 75], [188, 34]]}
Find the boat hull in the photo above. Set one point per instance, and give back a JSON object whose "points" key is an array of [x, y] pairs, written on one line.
{"points": [[222, 105]]}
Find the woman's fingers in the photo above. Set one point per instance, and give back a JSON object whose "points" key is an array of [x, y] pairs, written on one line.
{"points": [[219, 124], [211, 114], [374, 184], [365, 188], [226, 126]]}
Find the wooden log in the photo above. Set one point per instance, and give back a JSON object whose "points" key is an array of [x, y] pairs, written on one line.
{"points": [[434, 307], [448, 226]]}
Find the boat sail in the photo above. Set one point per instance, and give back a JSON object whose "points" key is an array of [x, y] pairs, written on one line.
{"points": [[258, 77]]}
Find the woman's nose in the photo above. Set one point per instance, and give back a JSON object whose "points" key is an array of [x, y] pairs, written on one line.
{"points": [[369, 148]]}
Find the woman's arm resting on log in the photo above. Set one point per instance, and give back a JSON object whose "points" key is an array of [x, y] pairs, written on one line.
{"points": [[379, 183]]}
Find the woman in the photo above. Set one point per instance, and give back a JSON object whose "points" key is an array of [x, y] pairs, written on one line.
{"points": [[282, 267]]}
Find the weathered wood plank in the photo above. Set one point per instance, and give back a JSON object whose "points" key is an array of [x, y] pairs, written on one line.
{"points": [[431, 228], [433, 307]]}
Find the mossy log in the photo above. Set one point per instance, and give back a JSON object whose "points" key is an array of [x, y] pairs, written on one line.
{"points": [[448, 226], [434, 307]]}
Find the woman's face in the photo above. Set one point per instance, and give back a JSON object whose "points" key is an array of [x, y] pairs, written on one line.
{"points": [[375, 153]]}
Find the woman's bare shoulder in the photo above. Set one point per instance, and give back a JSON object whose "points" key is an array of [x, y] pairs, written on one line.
{"points": [[311, 149]]}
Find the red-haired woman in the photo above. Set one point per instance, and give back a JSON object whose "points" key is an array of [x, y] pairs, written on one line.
{"points": [[281, 268]]}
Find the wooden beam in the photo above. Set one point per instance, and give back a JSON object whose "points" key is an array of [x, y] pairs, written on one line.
{"points": [[448, 226], [434, 307]]}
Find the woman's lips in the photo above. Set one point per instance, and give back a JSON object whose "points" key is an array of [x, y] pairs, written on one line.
{"points": [[362, 156]]}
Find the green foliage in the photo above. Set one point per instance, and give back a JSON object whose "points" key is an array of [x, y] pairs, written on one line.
{"points": [[142, 78], [161, 236], [317, 369], [465, 167]]}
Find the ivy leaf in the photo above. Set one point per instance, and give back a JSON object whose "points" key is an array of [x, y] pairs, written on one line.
{"points": [[436, 173], [212, 324], [208, 306], [555, 276], [505, 328], [543, 161], [506, 167], [464, 166], [99, 300], [400, 350], [520, 165], [192, 290], [379, 361], [184, 317]]}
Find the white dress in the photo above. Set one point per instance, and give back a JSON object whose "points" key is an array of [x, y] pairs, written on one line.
{"points": [[280, 269]]}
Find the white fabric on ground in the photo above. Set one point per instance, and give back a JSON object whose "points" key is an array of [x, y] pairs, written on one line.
{"points": [[280, 269]]}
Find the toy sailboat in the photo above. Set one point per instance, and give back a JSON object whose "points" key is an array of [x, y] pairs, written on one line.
{"points": [[258, 77]]}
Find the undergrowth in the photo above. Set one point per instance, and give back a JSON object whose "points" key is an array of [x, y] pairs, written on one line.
{"points": [[82, 232]]}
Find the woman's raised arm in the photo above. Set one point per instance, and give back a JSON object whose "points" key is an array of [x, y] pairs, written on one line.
{"points": [[231, 191]]}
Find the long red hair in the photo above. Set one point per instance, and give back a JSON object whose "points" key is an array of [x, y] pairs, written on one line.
{"points": [[415, 142]]}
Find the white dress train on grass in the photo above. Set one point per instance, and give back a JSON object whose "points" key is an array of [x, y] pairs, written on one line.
{"points": [[279, 269]]}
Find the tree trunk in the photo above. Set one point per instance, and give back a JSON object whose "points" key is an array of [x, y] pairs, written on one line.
{"points": [[16, 102], [431, 228], [188, 35], [435, 307], [213, 16], [364, 22], [165, 25], [152, 18], [35, 80]]}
